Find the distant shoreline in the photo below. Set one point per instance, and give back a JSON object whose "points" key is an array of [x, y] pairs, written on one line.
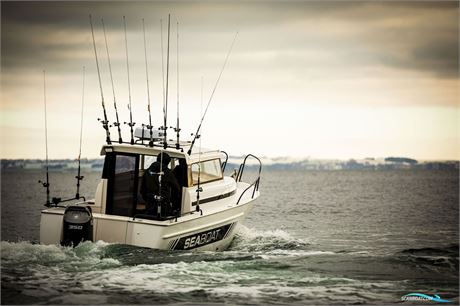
{"points": [[268, 163]]}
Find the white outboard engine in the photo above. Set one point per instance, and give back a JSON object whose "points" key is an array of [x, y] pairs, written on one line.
{"points": [[77, 225]]}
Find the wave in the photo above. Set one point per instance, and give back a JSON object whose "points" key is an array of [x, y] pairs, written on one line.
{"points": [[251, 240], [450, 250], [259, 267], [85, 256], [248, 244], [442, 257]]}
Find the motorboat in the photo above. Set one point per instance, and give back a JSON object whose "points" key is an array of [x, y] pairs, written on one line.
{"points": [[208, 204], [117, 212]]}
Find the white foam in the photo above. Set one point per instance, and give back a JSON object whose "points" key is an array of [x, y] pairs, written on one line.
{"points": [[85, 255]]}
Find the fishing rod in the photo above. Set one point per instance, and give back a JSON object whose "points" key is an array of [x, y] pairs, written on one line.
{"points": [[79, 177], [117, 124], [162, 70], [105, 122], [148, 90], [167, 80], [55, 200], [47, 183], [212, 95], [131, 123], [177, 129], [199, 188]]}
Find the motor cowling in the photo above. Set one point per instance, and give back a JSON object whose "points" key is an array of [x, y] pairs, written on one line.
{"points": [[77, 225]]}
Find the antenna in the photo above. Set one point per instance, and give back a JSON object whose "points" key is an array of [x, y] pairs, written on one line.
{"points": [[47, 183], [117, 124], [212, 95], [131, 123], [167, 79], [177, 59], [80, 177], [148, 90]]}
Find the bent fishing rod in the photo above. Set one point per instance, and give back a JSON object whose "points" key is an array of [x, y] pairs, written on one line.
{"points": [[117, 124], [210, 98], [105, 122]]}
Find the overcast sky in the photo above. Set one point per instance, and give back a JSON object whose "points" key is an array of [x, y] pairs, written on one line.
{"points": [[320, 79]]}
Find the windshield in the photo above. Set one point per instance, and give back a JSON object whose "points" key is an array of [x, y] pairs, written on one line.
{"points": [[210, 171]]}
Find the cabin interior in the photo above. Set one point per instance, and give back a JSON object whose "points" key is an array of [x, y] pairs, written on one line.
{"points": [[124, 172]]}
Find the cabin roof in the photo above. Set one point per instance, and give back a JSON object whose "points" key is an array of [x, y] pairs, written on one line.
{"points": [[205, 154]]}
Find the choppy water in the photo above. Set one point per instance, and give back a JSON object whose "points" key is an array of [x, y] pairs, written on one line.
{"points": [[343, 237]]}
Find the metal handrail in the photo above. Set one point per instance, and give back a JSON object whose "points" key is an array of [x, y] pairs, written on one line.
{"points": [[254, 184], [224, 164], [241, 168]]}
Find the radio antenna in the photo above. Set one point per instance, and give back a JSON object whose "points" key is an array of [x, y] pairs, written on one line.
{"points": [[47, 183], [167, 79], [177, 64], [131, 123], [79, 177], [148, 90], [117, 124], [105, 122], [212, 95]]}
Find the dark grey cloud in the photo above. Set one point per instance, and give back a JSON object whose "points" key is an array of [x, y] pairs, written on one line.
{"points": [[420, 36]]}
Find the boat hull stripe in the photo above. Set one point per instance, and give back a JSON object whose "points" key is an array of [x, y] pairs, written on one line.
{"points": [[218, 197]]}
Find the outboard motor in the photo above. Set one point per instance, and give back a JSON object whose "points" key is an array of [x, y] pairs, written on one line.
{"points": [[77, 225]]}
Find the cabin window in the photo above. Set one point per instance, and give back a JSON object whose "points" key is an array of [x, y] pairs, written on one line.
{"points": [[122, 172], [210, 171]]}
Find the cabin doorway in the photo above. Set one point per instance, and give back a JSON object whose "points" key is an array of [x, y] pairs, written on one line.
{"points": [[122, 171]]}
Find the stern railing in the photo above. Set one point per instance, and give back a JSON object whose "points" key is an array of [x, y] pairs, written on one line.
{"points": [[224, 163], [255, 184]]}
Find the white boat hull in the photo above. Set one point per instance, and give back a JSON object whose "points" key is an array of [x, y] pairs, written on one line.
{"points": [[211, 231]]}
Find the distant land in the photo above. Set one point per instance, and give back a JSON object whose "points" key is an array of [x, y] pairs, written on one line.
{"points": [[278, 163]]}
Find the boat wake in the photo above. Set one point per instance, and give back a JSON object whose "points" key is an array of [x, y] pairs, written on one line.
{"points": [[259, 267]]}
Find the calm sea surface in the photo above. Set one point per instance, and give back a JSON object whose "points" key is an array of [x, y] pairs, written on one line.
{"points": [[332, 237]]}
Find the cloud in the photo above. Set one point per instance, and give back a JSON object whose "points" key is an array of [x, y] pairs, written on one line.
{"points": [[291, 47], [420, 36]]}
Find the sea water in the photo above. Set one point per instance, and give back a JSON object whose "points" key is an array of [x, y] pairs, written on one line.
{"points": [[313, 237]]}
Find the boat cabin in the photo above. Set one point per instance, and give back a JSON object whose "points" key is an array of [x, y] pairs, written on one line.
{"points": [[119, 192]]}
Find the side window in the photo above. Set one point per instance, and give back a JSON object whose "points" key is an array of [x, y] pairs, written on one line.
{"points": [[124, 164], [123, 185], [148, 160], [210, 171]]}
